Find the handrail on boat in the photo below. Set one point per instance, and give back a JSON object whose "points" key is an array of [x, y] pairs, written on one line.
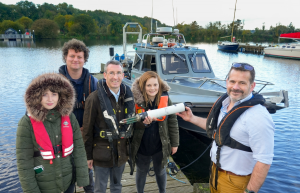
{"points": [[159, 34], [264, 83]]}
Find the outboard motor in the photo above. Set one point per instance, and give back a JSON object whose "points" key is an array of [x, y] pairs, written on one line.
{"points": [[111, 52]]}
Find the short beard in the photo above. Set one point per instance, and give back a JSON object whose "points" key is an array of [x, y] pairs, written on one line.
{"points": [[236, 91]]}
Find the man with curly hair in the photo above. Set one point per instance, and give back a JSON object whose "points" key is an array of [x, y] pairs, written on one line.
{"points": [[75, 54]]}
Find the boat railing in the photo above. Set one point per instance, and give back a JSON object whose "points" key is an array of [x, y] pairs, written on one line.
{"points": [[132, 25], [213, 80], [148, 35]]}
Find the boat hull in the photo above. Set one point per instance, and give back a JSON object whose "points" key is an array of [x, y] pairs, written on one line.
{"points": [[229, 48], [283, 53]]}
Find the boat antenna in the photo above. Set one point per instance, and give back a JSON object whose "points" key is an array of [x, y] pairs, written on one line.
{"points": [[173, 13], [176, 16], [152, 16], [233, 21]]}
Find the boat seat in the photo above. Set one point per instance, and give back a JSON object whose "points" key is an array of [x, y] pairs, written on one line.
{"points": [[153, 67]]}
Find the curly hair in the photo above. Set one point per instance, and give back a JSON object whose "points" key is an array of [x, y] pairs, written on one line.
{"points": [[76, 45]]}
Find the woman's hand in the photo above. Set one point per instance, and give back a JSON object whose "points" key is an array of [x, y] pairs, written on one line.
{"points": [[174, 150], [148, 120]]}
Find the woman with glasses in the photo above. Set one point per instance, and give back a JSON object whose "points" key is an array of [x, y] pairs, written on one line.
{"points": [[156, 137], [49, 146]]}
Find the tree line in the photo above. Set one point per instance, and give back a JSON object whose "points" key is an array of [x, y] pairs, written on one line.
{"points": [[65, 21]]}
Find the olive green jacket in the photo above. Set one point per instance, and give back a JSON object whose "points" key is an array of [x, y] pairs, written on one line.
{"points": [[168, 129], [56, 177]]}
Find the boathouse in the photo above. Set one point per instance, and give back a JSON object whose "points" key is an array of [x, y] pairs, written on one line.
{"points": [[12, 35]]}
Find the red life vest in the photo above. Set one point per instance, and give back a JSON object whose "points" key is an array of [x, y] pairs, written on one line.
{"points": [[44, 142], [162, 104]]}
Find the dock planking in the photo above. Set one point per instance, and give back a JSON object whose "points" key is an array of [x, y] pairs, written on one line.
{"points": [[173, 186]]}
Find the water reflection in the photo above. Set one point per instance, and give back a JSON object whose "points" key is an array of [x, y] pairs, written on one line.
{"points": [[22, 61], [24, 43]]}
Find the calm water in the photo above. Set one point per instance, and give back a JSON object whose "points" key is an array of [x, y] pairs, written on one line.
{"points": [[20, 62]]}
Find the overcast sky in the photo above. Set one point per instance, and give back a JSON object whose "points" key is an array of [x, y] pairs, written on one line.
{"points": [[253, 12]]}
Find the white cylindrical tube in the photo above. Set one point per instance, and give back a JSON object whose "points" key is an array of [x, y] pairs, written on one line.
{"points": [[180, 107]]}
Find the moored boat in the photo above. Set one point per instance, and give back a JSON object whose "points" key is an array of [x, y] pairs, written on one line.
{"points": [[228, 46], [291, 51], [186, 69]]}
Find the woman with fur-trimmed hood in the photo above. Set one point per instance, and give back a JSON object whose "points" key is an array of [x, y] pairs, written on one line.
{"points": [[154, 138], [49, 146]]}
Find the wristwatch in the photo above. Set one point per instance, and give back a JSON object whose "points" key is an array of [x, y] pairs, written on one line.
{"points": [[249, 191]]}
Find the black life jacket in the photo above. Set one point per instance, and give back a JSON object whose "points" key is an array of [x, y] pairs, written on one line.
{"points": [[88, 86], [116, 131], [221, 133]]}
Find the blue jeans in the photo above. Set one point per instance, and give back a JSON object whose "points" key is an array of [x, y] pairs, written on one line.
{"points": [[90, 188], [101, 179], [70, 189], [142, 168]]}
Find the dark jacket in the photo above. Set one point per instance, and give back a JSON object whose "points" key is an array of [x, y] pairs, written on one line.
{"points": [[97, 148], [85, 84], [56, 177], [168, 129]]}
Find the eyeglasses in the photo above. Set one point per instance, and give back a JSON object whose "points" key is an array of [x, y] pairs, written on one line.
{"points": [[113, 74], [244, 66]]}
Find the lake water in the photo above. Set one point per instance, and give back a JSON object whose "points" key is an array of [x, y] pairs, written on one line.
{"points": [[22, 61]]}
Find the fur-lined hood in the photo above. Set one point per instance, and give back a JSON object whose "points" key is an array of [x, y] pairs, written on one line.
{"points": [[55, 83], [137, 93]]}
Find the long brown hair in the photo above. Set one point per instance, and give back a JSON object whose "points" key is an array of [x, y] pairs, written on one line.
{"points": [[142, 84]]}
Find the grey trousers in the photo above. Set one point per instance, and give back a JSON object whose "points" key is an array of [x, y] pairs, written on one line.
{"points": [[90, 188], [101, 179], [142, 168]]}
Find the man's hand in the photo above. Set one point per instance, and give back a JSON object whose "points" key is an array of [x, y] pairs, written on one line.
{"points": [[186, 115], [258, 176], [174, 150], [90, 164], [81, 129]]}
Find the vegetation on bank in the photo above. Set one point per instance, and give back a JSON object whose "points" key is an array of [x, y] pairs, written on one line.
{"points": [[65, 21]]}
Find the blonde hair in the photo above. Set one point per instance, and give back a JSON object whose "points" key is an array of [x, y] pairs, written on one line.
{"points": [[142, 84]]}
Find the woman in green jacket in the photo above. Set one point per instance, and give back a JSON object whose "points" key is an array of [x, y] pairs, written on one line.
{"points": [[50, 153], [154, 138]]}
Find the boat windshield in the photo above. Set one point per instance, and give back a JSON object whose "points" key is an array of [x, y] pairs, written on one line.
{"points": [[173, 65], [199, 63]]}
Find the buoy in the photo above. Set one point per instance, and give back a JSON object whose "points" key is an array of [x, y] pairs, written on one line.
{"points": [[171, 44]]}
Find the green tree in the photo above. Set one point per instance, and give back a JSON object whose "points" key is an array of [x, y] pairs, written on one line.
{"points": [[83, 25], [45, 28], [25, 21], [27, 8], [11, 24], [115, 27], [60, 20]]}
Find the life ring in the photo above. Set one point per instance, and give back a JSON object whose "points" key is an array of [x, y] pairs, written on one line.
{"points": [[160, 45], [171, 44]]}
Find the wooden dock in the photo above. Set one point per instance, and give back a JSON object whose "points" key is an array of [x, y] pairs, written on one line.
{"points": [[15, 37], [250, 48], [173, 186]]}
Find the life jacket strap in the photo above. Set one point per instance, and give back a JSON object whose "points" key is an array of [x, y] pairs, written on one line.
{"points": [[57, 149]]}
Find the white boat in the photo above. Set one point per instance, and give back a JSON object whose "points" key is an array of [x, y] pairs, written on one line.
{"points": [[291, 51]]}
